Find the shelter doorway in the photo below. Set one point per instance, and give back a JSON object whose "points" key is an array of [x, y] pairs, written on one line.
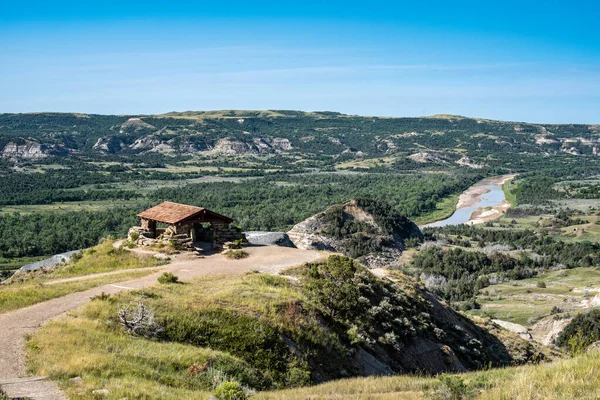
{"points": [[203, 232]]}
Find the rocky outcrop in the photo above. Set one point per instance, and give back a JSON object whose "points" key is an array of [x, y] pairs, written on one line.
{"points": [[152, 144], [281, 144], [467, 162], [363, 229], [136, 125], [259, 238], [258, 145], [30, 150], [229, 146], [541, 139], [109, 144], [424, 157], [515, 328], [547, 330], [261, 145]]}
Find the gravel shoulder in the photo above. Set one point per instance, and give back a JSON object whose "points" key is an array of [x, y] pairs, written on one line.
{"points": [[14, 379]]}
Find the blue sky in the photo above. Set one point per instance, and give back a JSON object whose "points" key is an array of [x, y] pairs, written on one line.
{"points": [[513, 60]]}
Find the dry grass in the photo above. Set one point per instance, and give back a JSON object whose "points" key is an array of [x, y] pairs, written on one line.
{"points": [[128, 367], [104, 258], [372, 388], [87, 344], [235, 254], [576, 378]]}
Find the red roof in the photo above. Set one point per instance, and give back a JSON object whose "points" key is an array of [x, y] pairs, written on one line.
{"points": [[172, 213]]}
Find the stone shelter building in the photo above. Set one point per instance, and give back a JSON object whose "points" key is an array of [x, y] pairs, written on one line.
{"points": [[183, 225]]}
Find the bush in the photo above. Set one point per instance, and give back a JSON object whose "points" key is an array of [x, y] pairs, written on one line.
{"points": [[168, 277], [230, 391], [102, 296], [139, 320], [555, 310], [541, 284], [237, 244], [235, 254], [452, 388], [582, 331]]}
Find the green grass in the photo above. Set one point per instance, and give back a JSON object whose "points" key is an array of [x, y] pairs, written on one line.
{"points": [[104, 258], [37, 286], [15, 296], [90, 342], [73, 206], [508, 194], [523, 302], [16, 263], [444, 209]]}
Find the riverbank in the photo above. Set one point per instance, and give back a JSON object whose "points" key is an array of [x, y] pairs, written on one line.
{"points": [[484, 201], [483, 215]]}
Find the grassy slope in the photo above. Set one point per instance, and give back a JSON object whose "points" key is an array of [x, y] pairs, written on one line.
{"points": [[444, 209], [104, 258], [36, 287], [139, 369], [134, 367], [576, 378], [510, 197], [233, 314], [13, 297]]}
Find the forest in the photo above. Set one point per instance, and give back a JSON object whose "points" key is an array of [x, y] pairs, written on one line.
{"points": [[111, 165], [270, 203]]}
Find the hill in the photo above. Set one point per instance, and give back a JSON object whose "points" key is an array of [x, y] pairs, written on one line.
{"points": [[318, 322], [333, 135], [369, 230]]}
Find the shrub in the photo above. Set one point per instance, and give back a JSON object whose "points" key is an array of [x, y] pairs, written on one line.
{"points": [[102, 296], [235, 254], [139, 320], [452, 388], [250, 338], [582, 331], [230, 391], [555, 310], [168, 277], [541, 284], [134, 236]]}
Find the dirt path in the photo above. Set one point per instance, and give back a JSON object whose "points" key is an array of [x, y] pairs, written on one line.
{"points": [[14, 379]]}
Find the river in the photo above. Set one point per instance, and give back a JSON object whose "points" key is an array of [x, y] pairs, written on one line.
{"points": [[482, 202]]}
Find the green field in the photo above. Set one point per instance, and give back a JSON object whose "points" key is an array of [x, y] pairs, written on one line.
{"points": [[523, 302]]}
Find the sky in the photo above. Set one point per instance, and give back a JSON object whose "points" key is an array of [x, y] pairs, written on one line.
{"points": [[534, 61]]}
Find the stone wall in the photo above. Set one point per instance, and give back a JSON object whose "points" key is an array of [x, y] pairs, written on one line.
{"points": [[179, 235], [226, 234]]}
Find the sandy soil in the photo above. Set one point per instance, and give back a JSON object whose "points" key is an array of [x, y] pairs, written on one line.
{"points": [[482, 216], [14, 379], [472, 195]]}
